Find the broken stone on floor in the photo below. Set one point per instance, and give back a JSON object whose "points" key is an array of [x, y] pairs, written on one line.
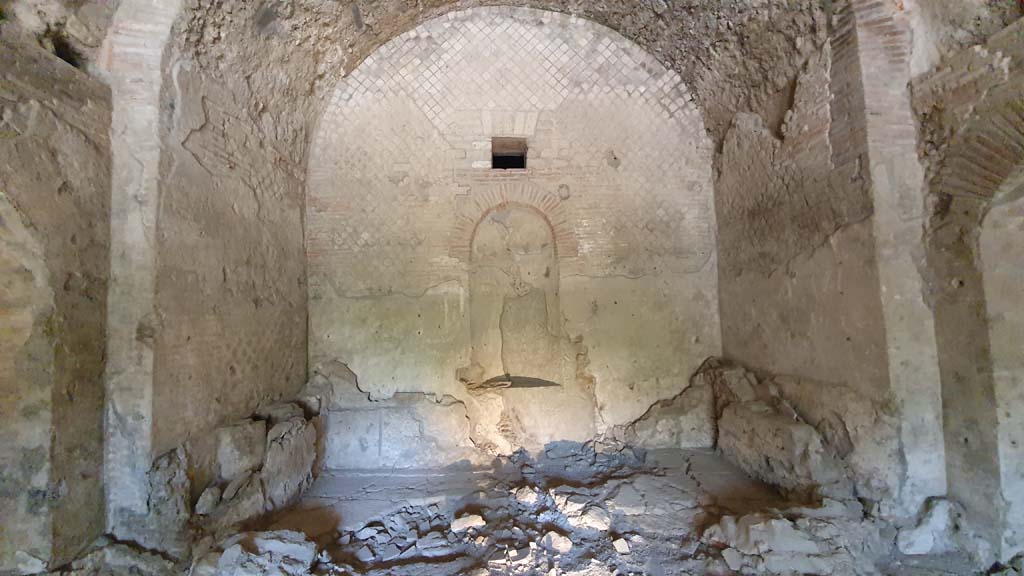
{"points": [[544, 515], [583, 508], [277, 553], [570, 508], [935, 532]]}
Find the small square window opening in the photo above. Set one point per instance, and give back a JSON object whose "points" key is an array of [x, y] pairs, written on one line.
{"points": [[508, 153]]}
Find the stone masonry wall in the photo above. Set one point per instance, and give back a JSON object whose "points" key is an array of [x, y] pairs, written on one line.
{"points": [[230, 281], [885, 36], [798, 287], [402, 198], [209, 320], [266, 67], [819, 267], [798, 278], [228, 328], [944, 27], [54, 250], [972, 141]]}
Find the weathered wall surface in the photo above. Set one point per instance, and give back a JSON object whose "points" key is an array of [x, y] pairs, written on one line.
{"points": [[26, 363], [267, 66], [797, 270], [799, 292], [54, 250], [944, 27], [71, 29], [133, 58], [1002, 265], [884, 36], [819, 266], [229, 310], [965, 361], [402, 203], [972, 142], [209, 316], [230, 327]]}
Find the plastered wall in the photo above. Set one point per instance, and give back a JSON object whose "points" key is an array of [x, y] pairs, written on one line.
{"points": [[618, 171], [798, 273], [208, 294]]}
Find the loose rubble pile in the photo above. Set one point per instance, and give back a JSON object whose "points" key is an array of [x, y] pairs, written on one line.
{"points": [[833, 539], [262, 465], [779, 496], [516, 532], [577, 510], [552, 513], [278, 553], [594, 508], [783, 431]]}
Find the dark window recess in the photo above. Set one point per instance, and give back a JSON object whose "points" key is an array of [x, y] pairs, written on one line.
{"points": [[508, 153]]}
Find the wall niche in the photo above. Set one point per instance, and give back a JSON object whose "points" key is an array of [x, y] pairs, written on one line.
{"points": [[515, 322]]}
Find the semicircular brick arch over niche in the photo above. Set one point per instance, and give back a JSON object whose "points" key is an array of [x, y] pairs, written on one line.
{"points": [[471, 209], [617, 162]]}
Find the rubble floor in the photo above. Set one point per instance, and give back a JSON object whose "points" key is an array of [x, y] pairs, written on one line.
{"points": [[568, 512]]}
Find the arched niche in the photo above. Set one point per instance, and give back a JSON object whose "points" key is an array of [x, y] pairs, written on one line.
{"points": [[515, 320]]}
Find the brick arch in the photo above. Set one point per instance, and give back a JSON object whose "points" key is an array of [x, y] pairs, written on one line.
{"points": [[471, 209], [973, 104], [985, 159]]}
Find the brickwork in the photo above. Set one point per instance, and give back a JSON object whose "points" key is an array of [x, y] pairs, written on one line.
{"points": [[134, 60], [618, 164], [972, 118], [820, 233], [608, 127], [798, 275], [471, 209], [896, 183], [822, 245], [817, 181]]}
